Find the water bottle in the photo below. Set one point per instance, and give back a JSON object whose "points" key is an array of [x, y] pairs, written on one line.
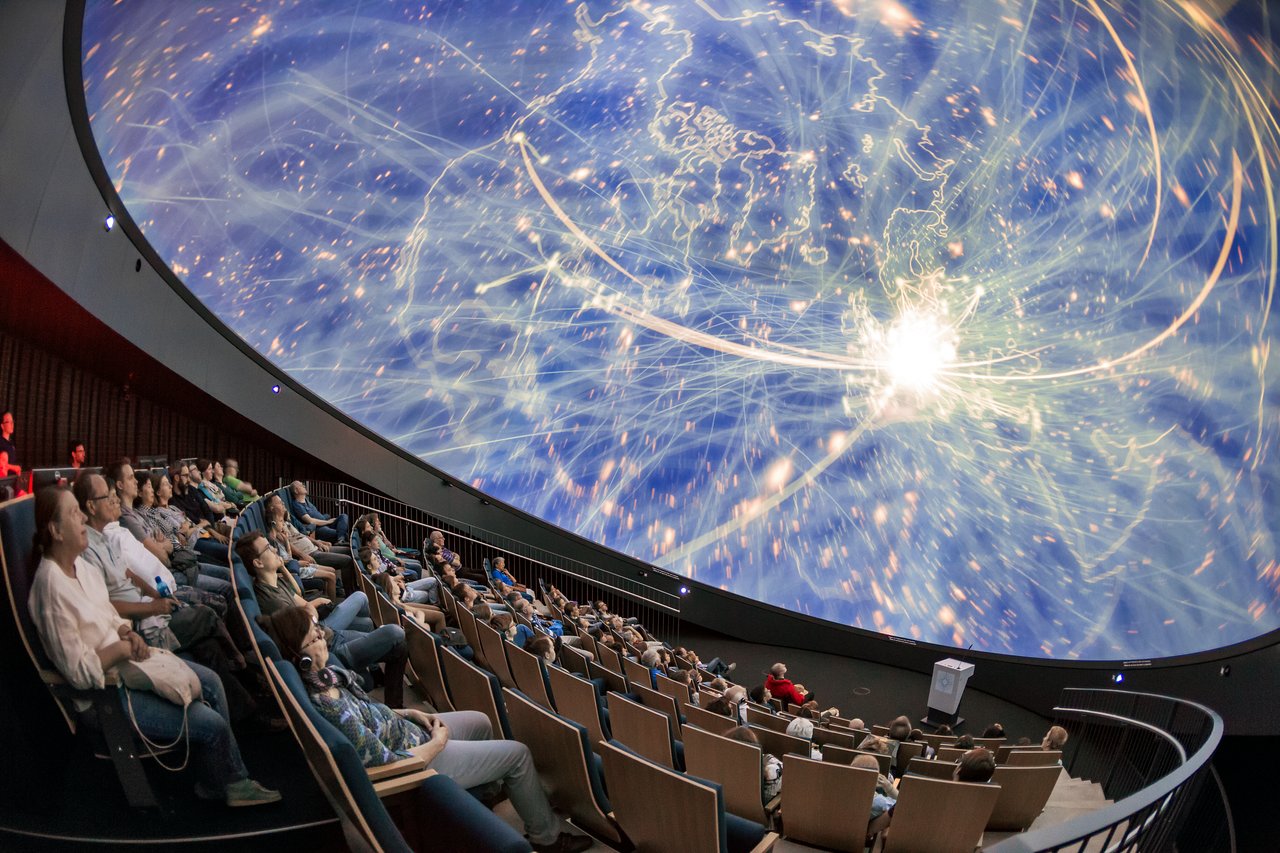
{"points": [[163, 588]]}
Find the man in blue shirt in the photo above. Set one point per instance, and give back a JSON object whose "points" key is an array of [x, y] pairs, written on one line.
{"points": [[312, 520]]}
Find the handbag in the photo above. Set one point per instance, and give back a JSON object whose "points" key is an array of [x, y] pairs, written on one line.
{"points": [[168, 676]]}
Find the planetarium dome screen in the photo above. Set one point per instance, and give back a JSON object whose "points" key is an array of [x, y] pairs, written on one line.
{"points": [[950, 321]]}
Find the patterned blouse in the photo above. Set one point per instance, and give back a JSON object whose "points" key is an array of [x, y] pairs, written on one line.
{"points": [[169, 519], [379, 734]]}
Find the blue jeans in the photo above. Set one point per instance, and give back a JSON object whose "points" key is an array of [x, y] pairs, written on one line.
{"points": [[425, 591], [220, 571], [215, 755], [213, 549], [339, 531], [359, 650], [351, 616]]}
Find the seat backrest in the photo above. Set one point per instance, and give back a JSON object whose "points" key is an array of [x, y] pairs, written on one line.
{"points": [[637, 673], [1034, 758], [838, 754], [467, 624], [841, 738], [473, 689], [939, 816], [950, 754], [733, 764], [932, 769], [765, 720], [610, 659], [991, 743], [1024, 791], [530, 674], [883, 731], [495, 654], [642, 729], [573, 660], [827, 805], [677, 690], [655, 805], [907, 750], [611, 679], [335, 765], [660, 702], [708, 721], [424, 657], [566, 765], [935, 741], [576, 699], [779, 744]]}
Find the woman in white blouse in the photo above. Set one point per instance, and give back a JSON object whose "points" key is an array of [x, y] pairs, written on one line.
{"points": [[85, 638]]}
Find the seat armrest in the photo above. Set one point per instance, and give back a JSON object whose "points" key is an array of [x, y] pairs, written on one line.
{"points": [[766, 843], [400, 784], [411, 764], [773, 805]]}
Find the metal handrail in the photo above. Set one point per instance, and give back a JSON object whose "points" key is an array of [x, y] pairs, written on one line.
{"points": [[1106, 819], [648, 600], [1156, 730]]}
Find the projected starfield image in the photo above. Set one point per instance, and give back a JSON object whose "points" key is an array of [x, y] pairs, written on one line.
{"points": [[949, 321]]}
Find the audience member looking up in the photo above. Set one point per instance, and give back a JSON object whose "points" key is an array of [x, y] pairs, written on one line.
{"points": [[1055, 738], [86, 639], [456, 744], [76, 453], [212, 540], [993, 730], [8, 451], [780, 687], [347, 629], [231, 476], [329, 528]]}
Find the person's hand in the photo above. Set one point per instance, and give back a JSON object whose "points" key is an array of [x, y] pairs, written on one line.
{"points": [[439, 731], [138, 648], [163, 606], [218, 537], [324, 546]]}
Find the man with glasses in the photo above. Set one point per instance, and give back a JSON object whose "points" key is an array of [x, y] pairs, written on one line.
{"points": [[348, 630], [187, 498]]}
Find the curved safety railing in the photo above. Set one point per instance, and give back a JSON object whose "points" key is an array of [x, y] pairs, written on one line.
{"points": [[1151, 755]]}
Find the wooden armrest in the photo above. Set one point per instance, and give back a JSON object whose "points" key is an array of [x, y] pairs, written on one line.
{"points": [[396, 768], [773, 805], [400, 784], [766, 843]]}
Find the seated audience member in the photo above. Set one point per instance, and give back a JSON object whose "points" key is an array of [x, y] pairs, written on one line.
{"points": [[213, 538], [230, 492], [857, 724], [780, 687], [993, 730], [441, 557], [876, 744], [760, 695], [76, 454], [329, 528], [180, 530], [137, 500], [944, 729], [505, 582], [1055, 738], [652, 661], [319, 552], [231, 476], [394, 588], [976, 765], [367, 536], [1023, 741], [193, 630], [715, 666], [964, 742], [506, 625], [886, 793], [347, 629], [309, 572], [723, 707], [770, 767], [456, 744], [543, 647], [390, 552], [86, 639], [803, 729], [8, 450], [213, 496]]}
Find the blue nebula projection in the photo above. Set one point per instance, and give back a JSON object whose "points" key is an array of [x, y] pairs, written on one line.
{"points": [[950, 321]]}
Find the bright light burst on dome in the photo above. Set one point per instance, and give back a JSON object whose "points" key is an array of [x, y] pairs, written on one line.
{"points": [[952, 321]]}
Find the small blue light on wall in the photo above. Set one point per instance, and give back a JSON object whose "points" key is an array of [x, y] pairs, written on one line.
{"points": [[108, 223], [275, 389], [684, 590], [1118, 678]]}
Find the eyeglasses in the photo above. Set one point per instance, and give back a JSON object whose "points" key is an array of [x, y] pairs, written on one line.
{"points": [[107, 496]]}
